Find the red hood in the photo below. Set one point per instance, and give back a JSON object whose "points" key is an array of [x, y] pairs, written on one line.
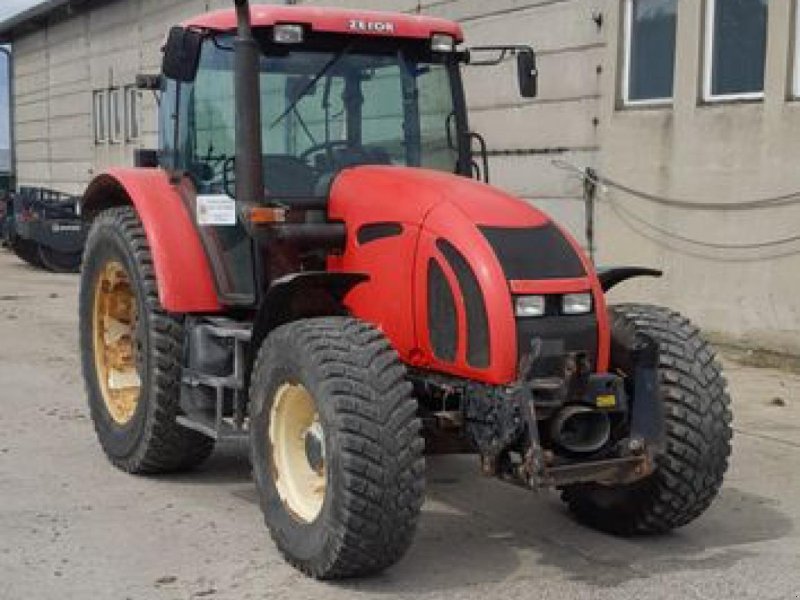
{"points": [[408, 195]]}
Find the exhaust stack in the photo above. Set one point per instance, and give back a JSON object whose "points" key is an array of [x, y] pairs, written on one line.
{"points": [[249, 161], [581, 430]]}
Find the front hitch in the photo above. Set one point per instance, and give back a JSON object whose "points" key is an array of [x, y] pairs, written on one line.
{"points": [[504, 424]]}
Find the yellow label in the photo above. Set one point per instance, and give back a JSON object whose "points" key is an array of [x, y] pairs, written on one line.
{"points": [[609, 401]]}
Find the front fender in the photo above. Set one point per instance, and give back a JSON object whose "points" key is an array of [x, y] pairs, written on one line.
{"points": [[184, 276], [611, 277]]}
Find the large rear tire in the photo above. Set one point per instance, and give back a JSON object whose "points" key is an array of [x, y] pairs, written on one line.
{"points": [[336, 446], [131, 352], [690, 470]]}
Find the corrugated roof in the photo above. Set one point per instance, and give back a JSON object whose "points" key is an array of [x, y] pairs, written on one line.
{"points": [[27, 19]]}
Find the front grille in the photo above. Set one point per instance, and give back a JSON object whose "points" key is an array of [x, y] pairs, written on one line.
{"points": [[531, 253], [559, 336]]}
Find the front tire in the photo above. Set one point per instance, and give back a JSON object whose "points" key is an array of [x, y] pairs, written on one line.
{"points": [[336, 446], [696, 408], [131, 353]]}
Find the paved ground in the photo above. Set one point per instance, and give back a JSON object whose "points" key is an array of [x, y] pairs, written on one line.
{"points": [[73, 527]]}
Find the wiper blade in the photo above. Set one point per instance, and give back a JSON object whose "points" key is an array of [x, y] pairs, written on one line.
{"points": [[314, 81]]}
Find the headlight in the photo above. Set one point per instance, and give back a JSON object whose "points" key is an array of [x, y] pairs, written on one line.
{"points": [[287, 33], [441, 42], [530, 306], [576, 304]]}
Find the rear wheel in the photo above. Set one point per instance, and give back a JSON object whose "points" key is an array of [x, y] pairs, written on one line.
{"points": [[131, 351], [696, 407], [336, 446]]}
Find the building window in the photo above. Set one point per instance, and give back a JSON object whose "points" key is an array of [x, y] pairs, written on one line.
{"points": [[132, 112], [115, 115], [736, 49], [796, 70], [100, 118], [649, 51]]}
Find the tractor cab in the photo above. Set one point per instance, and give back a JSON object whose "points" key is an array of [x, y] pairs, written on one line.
{"points": [[321, 95]]}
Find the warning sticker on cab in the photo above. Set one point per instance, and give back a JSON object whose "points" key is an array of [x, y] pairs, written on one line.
{"points": [[216, 209]]}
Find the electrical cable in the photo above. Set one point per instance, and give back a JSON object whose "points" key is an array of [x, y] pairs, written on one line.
{"points": [[716, 246], [723, 259], [597, 179]]}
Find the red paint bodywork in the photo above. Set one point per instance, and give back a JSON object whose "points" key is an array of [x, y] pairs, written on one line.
{"points": [[431, 205], [185, 281], [330, 20]]}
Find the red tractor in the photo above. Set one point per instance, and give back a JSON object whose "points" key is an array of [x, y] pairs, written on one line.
{"points": [[309, 260]]}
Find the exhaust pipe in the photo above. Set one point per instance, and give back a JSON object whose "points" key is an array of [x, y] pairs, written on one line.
{"points": [[249, 162], [581, 430]]}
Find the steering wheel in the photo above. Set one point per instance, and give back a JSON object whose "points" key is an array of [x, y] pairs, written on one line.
{"points": [[328, 148]]}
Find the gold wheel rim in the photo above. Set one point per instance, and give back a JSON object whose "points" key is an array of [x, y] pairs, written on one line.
{"points": [[298, 452], [115, 318]]}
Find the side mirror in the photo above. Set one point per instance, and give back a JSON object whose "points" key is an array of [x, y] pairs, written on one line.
{"points": [[151, 83], [528, 73], [182, 54]]}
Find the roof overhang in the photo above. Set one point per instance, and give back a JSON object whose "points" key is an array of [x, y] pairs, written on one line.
{"points": [[28, 20]]}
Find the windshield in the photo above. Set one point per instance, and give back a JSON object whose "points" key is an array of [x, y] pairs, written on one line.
{"points": [[322, 110]]}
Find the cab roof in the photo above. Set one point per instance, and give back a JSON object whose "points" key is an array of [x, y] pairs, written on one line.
{"points": [[333, 20]]}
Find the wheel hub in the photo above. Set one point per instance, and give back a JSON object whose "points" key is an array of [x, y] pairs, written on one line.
{"points": [[297, 442], [115, 322]]}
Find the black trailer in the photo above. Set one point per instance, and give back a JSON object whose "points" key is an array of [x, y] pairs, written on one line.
{"points": [[42, 227]]}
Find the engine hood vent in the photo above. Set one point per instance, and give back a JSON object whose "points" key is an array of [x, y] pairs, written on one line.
{"points": [[534, 253]]}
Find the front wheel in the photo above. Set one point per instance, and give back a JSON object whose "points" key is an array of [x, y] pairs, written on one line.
{"points": [[696, 408], [336, 446]]}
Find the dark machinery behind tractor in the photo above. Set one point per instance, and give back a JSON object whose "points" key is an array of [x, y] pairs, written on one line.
{"points": [[312, 259], [42, 227]]}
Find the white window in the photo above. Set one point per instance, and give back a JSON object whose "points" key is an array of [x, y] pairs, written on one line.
{"points": [[650, 27], [796, 73], [115, 117], [132, 113], [100, 116], [736, 49]]}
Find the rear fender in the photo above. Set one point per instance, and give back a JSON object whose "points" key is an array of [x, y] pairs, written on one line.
{"points": [[184, 276]]}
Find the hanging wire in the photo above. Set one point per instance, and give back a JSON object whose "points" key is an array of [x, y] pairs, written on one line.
{"points": [[678, 250], [716, 246], [596, 182], [599, 179]]}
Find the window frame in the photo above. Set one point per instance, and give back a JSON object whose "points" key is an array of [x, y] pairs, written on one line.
{"points": [[708, 63], [794, 93], [116, 126], [627, 50], [100, 117], [133, 124]]}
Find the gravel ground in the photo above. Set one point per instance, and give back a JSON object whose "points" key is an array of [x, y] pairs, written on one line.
{"points": [[73, 527]]}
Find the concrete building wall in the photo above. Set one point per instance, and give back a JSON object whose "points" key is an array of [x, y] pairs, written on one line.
{"points": [[727, 152]]}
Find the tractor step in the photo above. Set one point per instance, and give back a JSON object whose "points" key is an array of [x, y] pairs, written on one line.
{"points": [[208, 425], [227, 418]]}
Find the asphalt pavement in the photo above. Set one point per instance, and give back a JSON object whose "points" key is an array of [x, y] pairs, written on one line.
{"points": [[71, 526]]}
